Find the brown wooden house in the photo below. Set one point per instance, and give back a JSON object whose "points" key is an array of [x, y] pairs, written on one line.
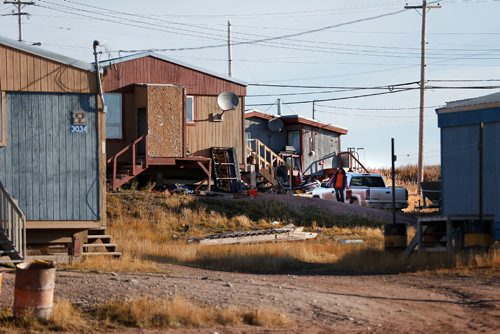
{"points": [[160, 118], [52, 161]]}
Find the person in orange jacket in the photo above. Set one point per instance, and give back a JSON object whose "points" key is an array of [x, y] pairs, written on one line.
{"points": [[339, 182]]}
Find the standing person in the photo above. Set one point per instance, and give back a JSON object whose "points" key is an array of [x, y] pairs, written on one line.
{"points": [[340, 183]]}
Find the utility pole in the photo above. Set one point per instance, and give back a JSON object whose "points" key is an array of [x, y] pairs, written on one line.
{"points": [[314, 109], [278, 102], [420, 168], [229, 51], [19, 5]]}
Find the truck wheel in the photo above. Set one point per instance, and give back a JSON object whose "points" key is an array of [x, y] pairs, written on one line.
{"points": [[315, 196]]}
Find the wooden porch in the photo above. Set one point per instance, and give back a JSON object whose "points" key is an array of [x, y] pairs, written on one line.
{"points": [[121, 171]]}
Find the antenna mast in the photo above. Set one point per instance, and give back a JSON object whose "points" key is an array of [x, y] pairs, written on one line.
{"points": [[229, 51]]}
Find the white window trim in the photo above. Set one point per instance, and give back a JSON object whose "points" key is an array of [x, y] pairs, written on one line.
{"points": [[192, 121], [120, 124]]}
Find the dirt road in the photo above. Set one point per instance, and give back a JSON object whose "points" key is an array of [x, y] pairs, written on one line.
{"points": [[416, 303]]}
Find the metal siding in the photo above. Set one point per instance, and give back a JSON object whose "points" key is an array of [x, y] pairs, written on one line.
{"points": [[468, 117], [51, 171], [157, 71], [326, 149], [258, 128], [460, 170], [492, 173]]}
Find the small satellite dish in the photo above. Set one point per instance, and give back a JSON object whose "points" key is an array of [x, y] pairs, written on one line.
{"points": [[227, 101], [275, 125]]}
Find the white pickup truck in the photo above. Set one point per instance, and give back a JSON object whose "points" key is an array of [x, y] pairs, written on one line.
{"points": [[366, 190]]}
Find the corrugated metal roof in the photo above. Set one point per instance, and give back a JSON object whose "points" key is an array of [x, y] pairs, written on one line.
{"points": [[38, 51], [170, 60], [487, 99], [298, 119]]}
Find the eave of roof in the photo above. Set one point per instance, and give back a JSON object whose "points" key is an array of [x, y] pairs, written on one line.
{"points": [[477, 103], [291, 119], [109, 62], [38, 51]]}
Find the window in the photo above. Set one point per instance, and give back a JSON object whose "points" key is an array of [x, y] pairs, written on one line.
{"points": [[2, 119], [189, 109], [294, 140], [114, 115], [367, 181]]}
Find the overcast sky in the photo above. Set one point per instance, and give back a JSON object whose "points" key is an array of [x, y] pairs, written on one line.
{"points": [[356, 49]]}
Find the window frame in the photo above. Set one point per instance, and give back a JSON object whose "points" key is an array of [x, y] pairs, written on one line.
{"points": [[3, 119], [298, 150], [193, 117], [121, 124]]}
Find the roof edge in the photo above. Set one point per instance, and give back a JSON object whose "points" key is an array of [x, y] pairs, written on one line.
{"points": [[134, 56], [38, 51]]}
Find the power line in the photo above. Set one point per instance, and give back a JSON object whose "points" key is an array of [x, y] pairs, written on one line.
{"points": [[336, 98], [333, 87]]}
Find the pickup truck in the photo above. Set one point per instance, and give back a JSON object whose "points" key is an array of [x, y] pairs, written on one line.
{"points": [[366, 190]]}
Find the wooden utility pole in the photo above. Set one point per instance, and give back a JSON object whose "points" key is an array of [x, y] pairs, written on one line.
{"points": [[229, 51], [420, 167], [19, 6]]}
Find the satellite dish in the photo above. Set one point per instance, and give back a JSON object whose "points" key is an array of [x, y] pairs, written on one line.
{"points": [[227, 101], [275, 125]]}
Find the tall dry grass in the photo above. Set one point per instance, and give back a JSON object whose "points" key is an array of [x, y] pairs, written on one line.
{"points": [[142, 312], [152, 229], [147, 312]]}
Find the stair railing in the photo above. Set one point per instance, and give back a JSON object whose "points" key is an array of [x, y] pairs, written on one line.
{"points": [[12, 222], [266, 159], [132, 146]]}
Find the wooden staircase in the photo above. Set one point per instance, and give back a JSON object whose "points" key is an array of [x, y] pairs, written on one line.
{"points": [[12, 229], [122, 173], [266, 161], [100, 243]]}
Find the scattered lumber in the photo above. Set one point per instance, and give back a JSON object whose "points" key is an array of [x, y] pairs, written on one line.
{"points": [[287, 233]]}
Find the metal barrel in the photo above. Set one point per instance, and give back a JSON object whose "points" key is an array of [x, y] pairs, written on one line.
{"points": [[478, 233], [395, 236], [34, 289]]}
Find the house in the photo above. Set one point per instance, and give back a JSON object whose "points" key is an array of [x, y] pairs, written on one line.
{"points": [[163, 118], [316, 144], [464, 125], [52, 162]]}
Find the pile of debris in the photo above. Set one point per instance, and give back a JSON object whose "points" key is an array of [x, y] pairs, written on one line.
{"points": [[287, 233]]}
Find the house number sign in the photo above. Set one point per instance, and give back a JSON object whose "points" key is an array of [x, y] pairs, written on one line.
{"points": [[78, 122]]}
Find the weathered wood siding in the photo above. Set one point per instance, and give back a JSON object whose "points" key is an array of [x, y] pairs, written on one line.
{"points": [[25, 72], [205, 133], [165, 121], [156, 71], [325, 144], [52, 172]]}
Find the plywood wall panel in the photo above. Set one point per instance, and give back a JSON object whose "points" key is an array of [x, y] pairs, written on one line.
{"points": [[165, 121], [206, 133], [26, 72]]}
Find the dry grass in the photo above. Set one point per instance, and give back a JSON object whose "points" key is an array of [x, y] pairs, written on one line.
{"points": [[143, 313], [148, 312], [406, 176], [151, 231]]}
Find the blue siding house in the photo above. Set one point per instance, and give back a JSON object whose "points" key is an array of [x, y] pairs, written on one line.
{"points": [[460, 123]]}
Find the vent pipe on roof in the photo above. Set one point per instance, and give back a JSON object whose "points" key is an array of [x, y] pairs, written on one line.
{"points": [[98, 75]]}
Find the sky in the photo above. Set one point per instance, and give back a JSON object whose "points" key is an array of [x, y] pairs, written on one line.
{"points": [[345, 48]]}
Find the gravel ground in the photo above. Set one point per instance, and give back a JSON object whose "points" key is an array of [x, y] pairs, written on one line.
{"points": [[416, 303]]}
